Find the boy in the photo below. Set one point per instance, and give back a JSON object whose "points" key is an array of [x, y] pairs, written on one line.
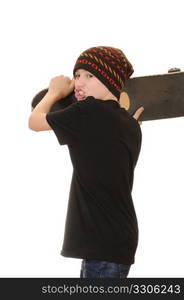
{"points": [[104, 143]]}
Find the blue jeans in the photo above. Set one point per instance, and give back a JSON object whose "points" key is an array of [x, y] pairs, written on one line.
{"points": [[103, 269]]}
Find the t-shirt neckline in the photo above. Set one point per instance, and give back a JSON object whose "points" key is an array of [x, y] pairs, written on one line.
{"points": [[109, 101]]}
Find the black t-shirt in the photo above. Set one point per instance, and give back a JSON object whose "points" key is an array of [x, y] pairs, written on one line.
{"points": [[104, 143]]}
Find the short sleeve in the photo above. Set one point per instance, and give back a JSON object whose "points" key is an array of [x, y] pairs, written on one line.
{"points": [[66, 124]]}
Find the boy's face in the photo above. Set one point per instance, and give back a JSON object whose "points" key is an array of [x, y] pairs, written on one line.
{"points": [[86, 84]]}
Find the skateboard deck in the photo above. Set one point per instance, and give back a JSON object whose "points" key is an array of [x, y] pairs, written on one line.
{"points": [[162, 96]]}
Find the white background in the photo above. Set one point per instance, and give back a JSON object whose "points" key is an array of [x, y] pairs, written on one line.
{"points": [[39, 40]]}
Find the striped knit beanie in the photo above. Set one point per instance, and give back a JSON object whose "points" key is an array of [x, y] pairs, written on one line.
{"points": [[108, 64]]}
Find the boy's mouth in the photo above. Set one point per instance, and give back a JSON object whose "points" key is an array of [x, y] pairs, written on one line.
{"points": [[79, 94]]}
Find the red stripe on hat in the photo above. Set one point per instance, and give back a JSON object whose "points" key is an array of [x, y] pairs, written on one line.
{"points": [[104, 74]]}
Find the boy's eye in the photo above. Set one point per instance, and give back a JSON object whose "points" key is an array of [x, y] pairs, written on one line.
{"points": [[89, 75]]}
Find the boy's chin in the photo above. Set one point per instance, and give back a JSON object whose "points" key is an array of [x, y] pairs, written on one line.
{"points": [[81, 99]]}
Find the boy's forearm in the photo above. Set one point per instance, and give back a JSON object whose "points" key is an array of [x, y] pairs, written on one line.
{"points": [[59, 87], [45, 104]]}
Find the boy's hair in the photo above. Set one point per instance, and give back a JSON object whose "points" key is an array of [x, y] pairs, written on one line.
{"points": [[108, 64]]}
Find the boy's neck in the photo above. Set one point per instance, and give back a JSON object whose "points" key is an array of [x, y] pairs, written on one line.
{"points": [[110, 96]]}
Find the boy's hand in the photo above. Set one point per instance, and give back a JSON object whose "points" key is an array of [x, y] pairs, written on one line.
{"points": [[60, 87], [138, 113]]}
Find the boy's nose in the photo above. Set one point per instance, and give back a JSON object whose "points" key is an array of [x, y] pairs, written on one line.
{"points": [[80, 82]]}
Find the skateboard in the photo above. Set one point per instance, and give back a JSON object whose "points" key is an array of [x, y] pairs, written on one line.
{"points": [[162, 96]]}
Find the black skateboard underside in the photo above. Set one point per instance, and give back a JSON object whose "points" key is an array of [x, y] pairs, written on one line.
{"points": [[162, 96]]}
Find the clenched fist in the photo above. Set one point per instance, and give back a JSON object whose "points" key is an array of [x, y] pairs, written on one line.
{"points": [[60, 87]]}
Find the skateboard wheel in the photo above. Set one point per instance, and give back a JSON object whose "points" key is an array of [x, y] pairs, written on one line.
{"points": [[174, 70], [124, 100]]}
